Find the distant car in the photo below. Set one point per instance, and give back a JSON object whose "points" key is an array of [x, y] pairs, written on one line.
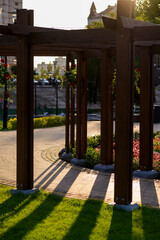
{"points": [[43, 82], [35, 82], [56, 82]]}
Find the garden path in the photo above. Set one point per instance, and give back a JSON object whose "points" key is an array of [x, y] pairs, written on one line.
{"points": [[57, 176]]}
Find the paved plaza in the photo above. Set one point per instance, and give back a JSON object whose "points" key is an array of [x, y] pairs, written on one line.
{"points": [[60, 177]]}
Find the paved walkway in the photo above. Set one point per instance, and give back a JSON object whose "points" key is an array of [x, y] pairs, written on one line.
{"points": [[60, 177]]}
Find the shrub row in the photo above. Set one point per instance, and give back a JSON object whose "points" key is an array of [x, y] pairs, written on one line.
{"points": [[40, 122]]}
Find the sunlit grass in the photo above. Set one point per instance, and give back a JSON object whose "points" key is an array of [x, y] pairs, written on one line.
{"points": [[46, 216]]}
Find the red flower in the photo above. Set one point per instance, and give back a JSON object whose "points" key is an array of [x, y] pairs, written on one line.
{"points": [[2, 60], [73, 66], [138, 69], [6, 95]]}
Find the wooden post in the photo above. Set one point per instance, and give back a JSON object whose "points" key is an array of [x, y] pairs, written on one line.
{"points": [[146, 110], [84, 105], [124, 119], [79, 105], [106, 109], [24, 105], [72, 111], [67, 111], [125, 8]]}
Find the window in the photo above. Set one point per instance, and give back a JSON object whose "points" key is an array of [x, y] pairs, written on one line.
{"points": [[16, 4]]}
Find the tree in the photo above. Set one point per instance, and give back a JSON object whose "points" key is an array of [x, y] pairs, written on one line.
{"points": [[43, 73], [95, 24], [49, 67], [148, 10], [56, 73]]}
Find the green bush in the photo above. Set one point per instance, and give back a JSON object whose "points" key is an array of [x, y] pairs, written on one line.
{"points": [[92, 157], [40, 122], [12, 124], [94, 141]]}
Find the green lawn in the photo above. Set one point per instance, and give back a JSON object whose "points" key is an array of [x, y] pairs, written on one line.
{"points": [[46, 216], [1, 125]]}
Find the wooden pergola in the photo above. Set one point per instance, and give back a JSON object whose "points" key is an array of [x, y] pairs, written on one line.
{"points": [[120, 38]]}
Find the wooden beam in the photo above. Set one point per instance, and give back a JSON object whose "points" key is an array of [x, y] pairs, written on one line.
{"points": [[109, 23], [6, 41], [8, 51], [146, 110], [74, 36], [5, 30], [131, 23], [24, 111], [106, 109], [124, 118], [20, 29], [145, 33]]}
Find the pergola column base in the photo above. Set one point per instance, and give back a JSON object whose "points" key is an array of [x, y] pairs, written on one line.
{"points": [[25, 192], [66, 157], [78, 162], [152, 174], [128, 208], [104, 168]]}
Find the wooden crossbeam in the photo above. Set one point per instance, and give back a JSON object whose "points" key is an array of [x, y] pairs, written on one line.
{"points": [[89, 36], [5, 30], [126, 22], [146, 33], [19, 29]]}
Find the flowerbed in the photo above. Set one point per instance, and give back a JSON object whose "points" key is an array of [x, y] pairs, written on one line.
{"points": [[92, 155]]}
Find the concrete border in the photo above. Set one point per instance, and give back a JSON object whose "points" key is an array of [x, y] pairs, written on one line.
{"points": [[128, 208], [25, 192]]}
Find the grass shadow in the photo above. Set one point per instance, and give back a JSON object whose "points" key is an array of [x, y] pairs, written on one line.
{"points": [[28, 223], [87, 219], [121, 225], [85, 222], [18, 202], [149, 220]]}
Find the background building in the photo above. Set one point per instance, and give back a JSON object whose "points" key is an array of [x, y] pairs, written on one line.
{"points": [[61, 63], [110, 11], [8, 15]]}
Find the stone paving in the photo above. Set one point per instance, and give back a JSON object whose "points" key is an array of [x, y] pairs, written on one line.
{"points": [[59, 177]]}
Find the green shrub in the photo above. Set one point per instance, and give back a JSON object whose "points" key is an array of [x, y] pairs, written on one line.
{"points": [[40, 122], [94, 141], [12, 124], [92, 157]]}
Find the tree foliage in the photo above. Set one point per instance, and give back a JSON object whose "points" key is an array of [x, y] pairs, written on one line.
{"points": [[148, 10], [95, 24], [49, 67]]}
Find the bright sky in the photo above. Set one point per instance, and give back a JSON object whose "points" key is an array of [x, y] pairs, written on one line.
{"points": [[64, 14]]}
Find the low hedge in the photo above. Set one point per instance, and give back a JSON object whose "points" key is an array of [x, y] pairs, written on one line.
{"points": [[40, 122]]}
